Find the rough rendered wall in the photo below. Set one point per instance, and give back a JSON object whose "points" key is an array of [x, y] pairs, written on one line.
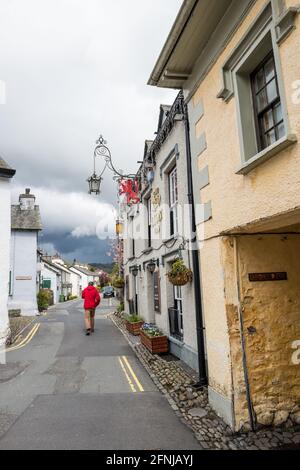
{"points": [[272, 313], [241, 413], [237, 199]]}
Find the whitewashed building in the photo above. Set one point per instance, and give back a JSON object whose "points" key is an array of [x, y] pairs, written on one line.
{"points": [[25, 227], [153, 238], [6, 173], [76, 283], [66, 277], [86, 276], [51, 279]]}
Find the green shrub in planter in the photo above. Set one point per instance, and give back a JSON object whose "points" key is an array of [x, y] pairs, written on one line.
{"points": [[43, 300], [133, 318]]}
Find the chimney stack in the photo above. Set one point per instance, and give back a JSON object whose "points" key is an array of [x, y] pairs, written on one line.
{"points": [[27, 200]]}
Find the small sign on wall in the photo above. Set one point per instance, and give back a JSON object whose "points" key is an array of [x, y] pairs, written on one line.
{"points": [[24, 278], [267, 277]]}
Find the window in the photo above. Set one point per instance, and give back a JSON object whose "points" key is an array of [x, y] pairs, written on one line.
{"points": [[267, 104], [173, 195], [178, 306], [252, 75], [176, 315], [46, 284]]}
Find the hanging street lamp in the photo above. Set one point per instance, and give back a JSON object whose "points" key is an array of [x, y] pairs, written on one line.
{"points": [[135, 271], [94, 184], [151, 266], [102, 151]]}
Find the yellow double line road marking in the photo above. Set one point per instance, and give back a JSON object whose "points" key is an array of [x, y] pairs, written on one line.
{"points": [[132, 379], [26, 340]]}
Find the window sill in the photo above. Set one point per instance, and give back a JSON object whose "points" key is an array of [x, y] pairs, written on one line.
{"points": [[177, 341], [266, 154]]}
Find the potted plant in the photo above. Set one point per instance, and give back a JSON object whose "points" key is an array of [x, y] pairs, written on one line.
{"points": [[179, 275], [153, 339], [134, 324]]}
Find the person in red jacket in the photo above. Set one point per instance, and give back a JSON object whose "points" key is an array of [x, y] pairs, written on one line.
{"points": [[91, 301]]}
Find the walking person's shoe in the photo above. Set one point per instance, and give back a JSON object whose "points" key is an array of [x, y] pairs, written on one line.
{"points": [[88, 332]]}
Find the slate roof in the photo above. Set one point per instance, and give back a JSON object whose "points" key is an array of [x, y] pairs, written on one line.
{"points": [[85, 271], [163, 113], [148, 145], [5, 169], [26, 219], [61, 267], [51, 266]]}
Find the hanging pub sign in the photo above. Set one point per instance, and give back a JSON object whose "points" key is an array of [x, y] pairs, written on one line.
{"points": [[129, 189], [267, 277], [156, 284]]}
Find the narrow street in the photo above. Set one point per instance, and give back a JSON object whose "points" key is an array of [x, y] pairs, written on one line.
{"points": [[64, 390]]}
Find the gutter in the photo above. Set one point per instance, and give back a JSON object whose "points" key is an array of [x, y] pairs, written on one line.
{"points": [[251, 411], [7, 172], [203, 379]]}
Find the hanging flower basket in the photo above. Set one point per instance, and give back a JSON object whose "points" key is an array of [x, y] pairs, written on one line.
{"points": [[180, 275], [119, 283]]}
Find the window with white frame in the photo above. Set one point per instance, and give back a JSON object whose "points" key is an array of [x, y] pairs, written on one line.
{"points": [[173, 195]]}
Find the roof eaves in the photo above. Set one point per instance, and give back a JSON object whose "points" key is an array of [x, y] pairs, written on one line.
{"points": [[177, 29]]}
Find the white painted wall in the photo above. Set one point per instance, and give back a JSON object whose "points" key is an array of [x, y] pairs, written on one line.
{"points": [[84, 279], [49, 274], [5, 224], [76, 283], [23, 263]]}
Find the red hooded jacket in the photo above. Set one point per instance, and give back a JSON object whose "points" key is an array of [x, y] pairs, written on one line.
{"points": [[91, 297]]}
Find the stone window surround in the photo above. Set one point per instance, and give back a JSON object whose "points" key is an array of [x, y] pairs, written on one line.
{"points": [[170, 162], [165, 169], [255, 42]]}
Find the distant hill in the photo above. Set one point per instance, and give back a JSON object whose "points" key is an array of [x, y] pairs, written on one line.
{"points": [[104, 267]]}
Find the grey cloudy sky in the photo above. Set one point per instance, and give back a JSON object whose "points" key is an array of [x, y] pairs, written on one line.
{"points": [[74, 69]]}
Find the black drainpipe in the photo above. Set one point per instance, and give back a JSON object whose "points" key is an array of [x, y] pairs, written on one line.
{"points": [[203, 381]]}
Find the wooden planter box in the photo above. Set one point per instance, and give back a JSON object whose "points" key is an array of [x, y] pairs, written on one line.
{"points": [[134, 328], [156, 345]]}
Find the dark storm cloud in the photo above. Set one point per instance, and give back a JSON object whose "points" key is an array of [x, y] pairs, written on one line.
{"points": [[87, 249]]}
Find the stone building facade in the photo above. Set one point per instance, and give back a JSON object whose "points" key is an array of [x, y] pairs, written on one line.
{"points": [[155, 235], [237, 63]]}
